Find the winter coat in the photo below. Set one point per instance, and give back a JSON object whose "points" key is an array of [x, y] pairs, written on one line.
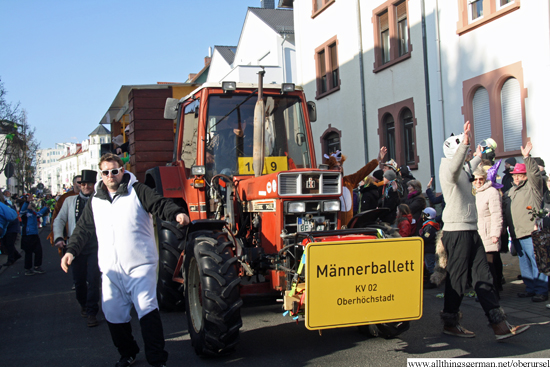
{"points": [[29, 219], [7, 215], [66, 219], [416, 203], [369, 196], [351, 182], [460, 210], [428, 232], [489, 215], [123, 225], [434, 200], [519, 197], [406, 225], [389, 199], [507, 181]]}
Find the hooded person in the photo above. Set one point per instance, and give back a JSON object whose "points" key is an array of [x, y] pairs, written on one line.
{"points": [[463, 245], [335, 162]]}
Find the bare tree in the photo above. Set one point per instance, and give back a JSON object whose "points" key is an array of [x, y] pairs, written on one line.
{"points": [[18, 145], [23, 154]]}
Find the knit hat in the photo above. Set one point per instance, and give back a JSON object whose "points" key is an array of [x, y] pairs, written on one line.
{"points": [[390, 175], [539, 161], [430, 212], [378, 174], [451, 145], [511, 161], [519, 168]]}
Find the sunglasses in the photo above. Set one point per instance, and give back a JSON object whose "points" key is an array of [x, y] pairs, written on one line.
{"points": [[114, 171], [479, 179]]}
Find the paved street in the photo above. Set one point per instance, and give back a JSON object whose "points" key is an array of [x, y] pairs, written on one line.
{"points": [[41, 326]]}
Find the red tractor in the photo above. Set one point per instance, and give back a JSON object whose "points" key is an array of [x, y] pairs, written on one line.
{"points": [[265, 221]]}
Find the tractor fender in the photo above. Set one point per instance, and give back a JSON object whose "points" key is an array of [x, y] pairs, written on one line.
{"points": [[167, 181]]}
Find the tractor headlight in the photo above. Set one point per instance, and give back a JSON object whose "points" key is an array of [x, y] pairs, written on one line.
{"points": [[331, 206], [296, 207]]}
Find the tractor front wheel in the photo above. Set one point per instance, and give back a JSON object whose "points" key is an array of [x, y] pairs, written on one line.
{"points": [[212, 297]]}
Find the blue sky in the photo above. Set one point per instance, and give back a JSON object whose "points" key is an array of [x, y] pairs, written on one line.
{"points": [[65, 60]]}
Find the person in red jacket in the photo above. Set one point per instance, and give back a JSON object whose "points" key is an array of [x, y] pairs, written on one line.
{"points": [[405, 222]]}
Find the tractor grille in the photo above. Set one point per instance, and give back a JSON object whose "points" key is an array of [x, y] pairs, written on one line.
{"points": [[310, 183]]}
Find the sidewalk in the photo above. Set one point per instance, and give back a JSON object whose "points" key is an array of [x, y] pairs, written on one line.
{"points": [[522, 308]]}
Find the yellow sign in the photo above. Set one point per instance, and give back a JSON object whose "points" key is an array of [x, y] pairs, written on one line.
{"points": [[271, 165], [363, 282]]}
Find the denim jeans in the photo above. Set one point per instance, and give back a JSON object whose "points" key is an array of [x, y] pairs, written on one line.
{"points": [[535, 282]]}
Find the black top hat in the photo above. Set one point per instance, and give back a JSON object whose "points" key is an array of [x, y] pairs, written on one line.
{"points": [[88, 176]]}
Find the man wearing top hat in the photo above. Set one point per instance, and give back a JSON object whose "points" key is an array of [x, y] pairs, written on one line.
{"points": [[86, 273]]}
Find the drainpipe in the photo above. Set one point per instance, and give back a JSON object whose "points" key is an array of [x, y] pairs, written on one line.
{"points": [[362, 82], [439, 71], [427, 87], [283, 54]]}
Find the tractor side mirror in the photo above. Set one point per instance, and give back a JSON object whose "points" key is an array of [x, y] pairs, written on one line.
{"points": [[312, 110], [171, 108]]}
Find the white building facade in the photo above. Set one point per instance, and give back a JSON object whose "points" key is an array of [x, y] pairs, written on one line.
{"points": [[266, 43], [408, 73]]}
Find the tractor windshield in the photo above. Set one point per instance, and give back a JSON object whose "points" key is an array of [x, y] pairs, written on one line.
{"points": [[230, 134]]}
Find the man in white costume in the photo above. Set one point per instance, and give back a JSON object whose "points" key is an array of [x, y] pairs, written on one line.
{"points": [[120, 214]]}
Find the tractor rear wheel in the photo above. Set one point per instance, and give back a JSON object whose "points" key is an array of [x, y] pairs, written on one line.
{"points": [[169, 293], [212, 296]]}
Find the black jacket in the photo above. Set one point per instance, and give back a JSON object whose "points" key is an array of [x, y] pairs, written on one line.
{"points": [[369, 196]]}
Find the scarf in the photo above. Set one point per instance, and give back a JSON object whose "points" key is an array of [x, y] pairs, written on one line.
{"points": [[81, 201]]}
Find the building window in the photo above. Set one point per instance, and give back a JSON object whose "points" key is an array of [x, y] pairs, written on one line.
{"points": [[385, 37], [397, 132], [510, 99], [391, 28], [408, 135], [499, 97], [482, 115], [319, 6], [389, 131], [475, 9], [327, 69], [475, 13], [330, 141], [402, 28]]}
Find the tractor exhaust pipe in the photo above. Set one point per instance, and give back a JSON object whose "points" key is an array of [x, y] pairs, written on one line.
{"points": [[259, 118]]}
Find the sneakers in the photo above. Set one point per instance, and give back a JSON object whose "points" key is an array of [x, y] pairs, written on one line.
{"points": [[548, 305], [39, 270], [125, 361], [504, 330], [29, 272], [459, 331], [83, 312], [92, 321], [526, 294], [539, 298]]}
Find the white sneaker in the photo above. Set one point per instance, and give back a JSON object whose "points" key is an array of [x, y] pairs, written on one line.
{"points": [[548, 305]]}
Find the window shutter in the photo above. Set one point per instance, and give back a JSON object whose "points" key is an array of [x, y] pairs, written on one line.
{"points": [[384, 22], [401, 11], [512, 124], [482, 115]]}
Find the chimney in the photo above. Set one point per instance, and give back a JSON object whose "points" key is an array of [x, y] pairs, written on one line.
{"points": [[191, 76], [207, 60], [268, 4]]}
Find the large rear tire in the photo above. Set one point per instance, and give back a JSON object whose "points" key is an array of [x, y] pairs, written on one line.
{"points": [[212, 296], [169, 293]]}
